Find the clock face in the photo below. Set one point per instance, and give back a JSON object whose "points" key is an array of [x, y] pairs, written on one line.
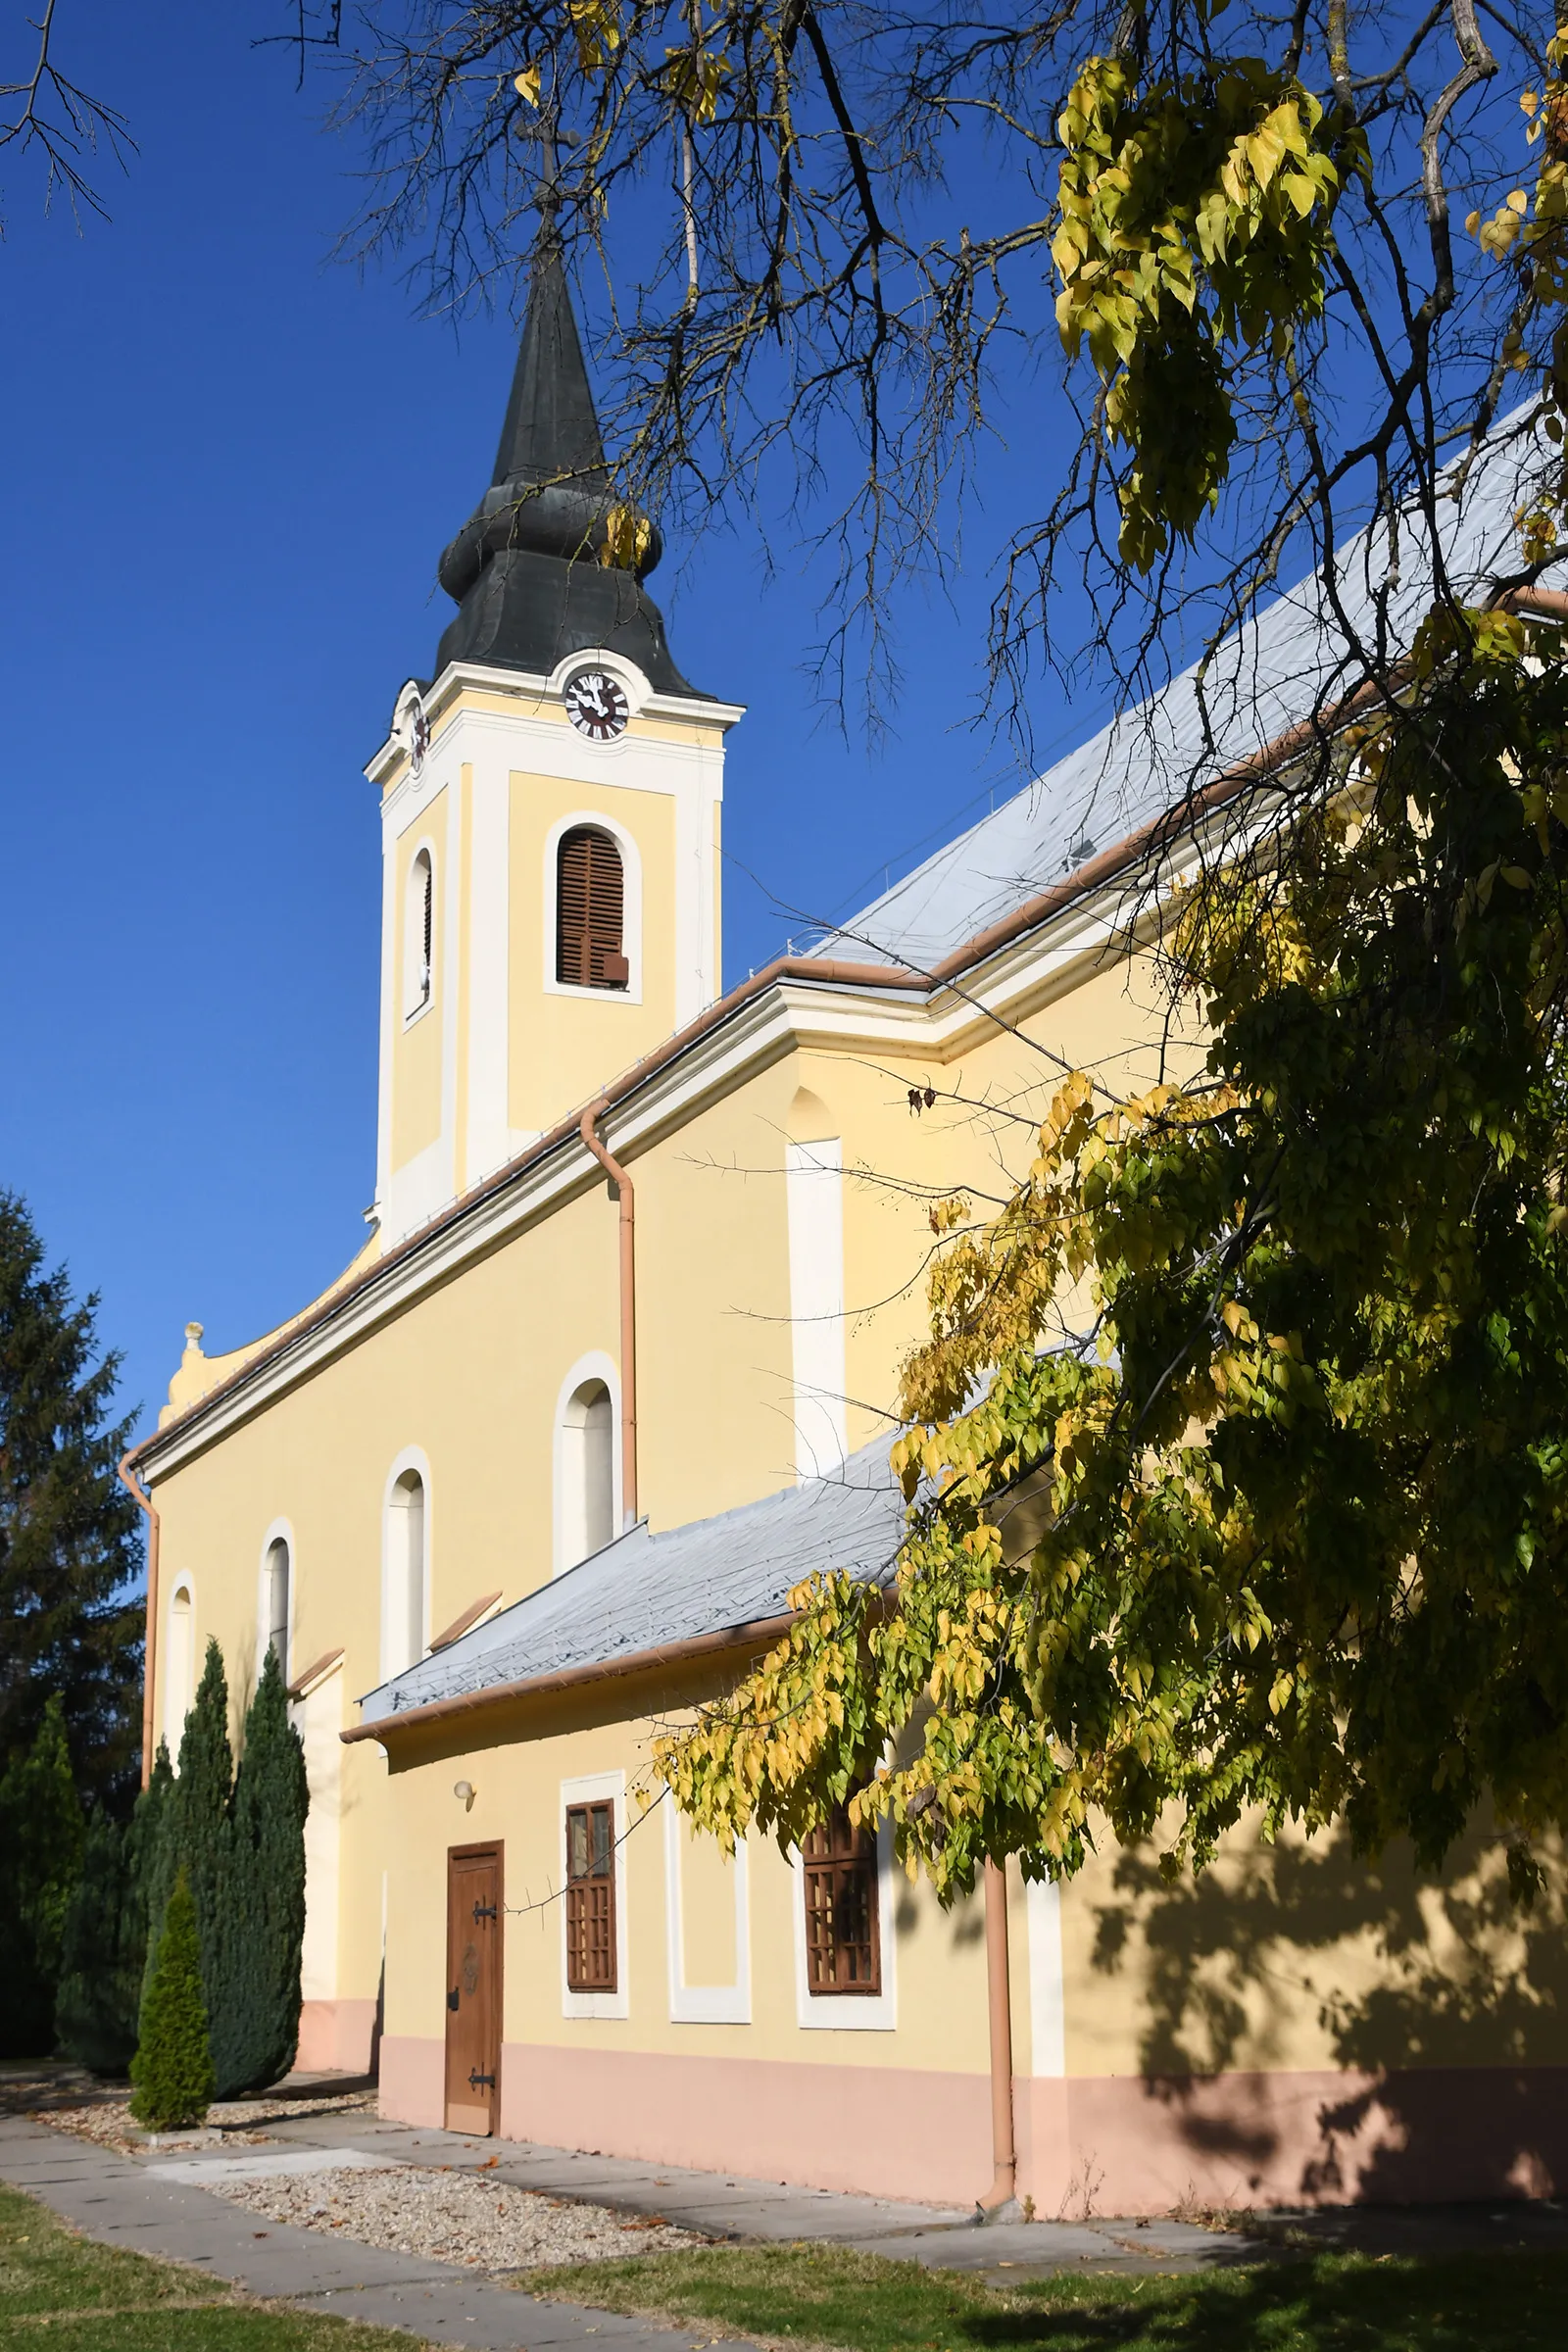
{"points": [[596, 704]]}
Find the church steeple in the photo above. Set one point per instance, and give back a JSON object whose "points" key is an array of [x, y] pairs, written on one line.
{"points": [[530, 571]]}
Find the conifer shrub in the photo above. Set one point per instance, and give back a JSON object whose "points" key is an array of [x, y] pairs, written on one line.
{"points": [[153, 1860], [127, 1872], [173, 2069], [41, 1833], [266, 1890], [101, 1965], [239, 1836]]}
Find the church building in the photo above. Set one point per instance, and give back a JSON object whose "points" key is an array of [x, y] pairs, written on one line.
{"points": [[612, 1372]]}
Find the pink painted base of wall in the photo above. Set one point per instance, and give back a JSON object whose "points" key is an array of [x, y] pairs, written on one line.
{"points": [[893, 2129], [1426, 2136], [412, 2079], [335, 2035], [1115, 2144]]}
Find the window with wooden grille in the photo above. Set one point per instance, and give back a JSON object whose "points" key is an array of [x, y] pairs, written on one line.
{"points": [[590, 911], [591, 1898], [843, 1941]]}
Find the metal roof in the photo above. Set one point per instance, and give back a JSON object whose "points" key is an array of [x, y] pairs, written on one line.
{"points": [[646, 1589], [1262, 680]]}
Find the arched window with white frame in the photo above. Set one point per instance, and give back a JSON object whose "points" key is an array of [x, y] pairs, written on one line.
{"points": [[408, 1572], [179, 1663], [419, 933], [276, 1588], [587, 1472]]}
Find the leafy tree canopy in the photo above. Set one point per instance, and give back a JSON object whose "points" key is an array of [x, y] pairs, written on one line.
{"points": [[70, 1535], [1298, 255], [1235, 1455], [1279, 1355]]}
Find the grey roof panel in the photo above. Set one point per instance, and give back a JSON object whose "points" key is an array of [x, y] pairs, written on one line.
{"points": [[1262, 680], [645, 1589]]}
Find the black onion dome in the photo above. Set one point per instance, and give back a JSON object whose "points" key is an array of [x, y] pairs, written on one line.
{"points": [[527, 570]]}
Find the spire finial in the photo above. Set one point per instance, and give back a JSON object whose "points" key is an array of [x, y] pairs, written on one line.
{"points": [[546, 564]]}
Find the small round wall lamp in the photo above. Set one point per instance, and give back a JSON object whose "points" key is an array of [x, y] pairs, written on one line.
{"points": [[464, 1790]]}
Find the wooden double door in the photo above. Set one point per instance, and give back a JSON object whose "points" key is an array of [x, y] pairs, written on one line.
{"points": [[476, 1912]]}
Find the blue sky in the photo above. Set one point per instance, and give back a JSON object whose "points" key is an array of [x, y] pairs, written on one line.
{"points": [[231, 467]]}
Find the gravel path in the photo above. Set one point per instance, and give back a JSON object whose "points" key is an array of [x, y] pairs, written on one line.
{"points": [[108, 2121], [453, 2215]]}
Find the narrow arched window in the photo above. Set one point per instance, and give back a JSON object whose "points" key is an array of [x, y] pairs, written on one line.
{"points": [[407, 1573], [277, 1602], [178, 1667], [418, 934], [588, 1473], [590, 911]]}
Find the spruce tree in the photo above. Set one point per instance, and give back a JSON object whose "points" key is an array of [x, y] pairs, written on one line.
{"points": [[70, 1535], [40, 1859], [266, 1888], [101, 1966], [173, 2069]]}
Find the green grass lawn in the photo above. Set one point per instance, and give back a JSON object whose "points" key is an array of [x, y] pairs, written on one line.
{"points": [[1319, 2303], [61, 2292]]}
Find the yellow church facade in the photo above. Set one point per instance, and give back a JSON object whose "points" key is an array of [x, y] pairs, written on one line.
{"points": [[614, 1368]]}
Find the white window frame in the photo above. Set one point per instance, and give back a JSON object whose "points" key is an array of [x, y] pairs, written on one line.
{"points": [[592, 1788], [631, 908], [705, 2004], [280, 1532], [411, 1458], [173, 1731], [414, 1007], [594, 1366], [851, 2012]]}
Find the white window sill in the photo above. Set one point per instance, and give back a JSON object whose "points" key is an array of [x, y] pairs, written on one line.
{"points": [[631, 994]]}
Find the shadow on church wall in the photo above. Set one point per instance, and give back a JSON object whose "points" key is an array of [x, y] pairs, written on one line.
{"points": [[1445, 2006]]}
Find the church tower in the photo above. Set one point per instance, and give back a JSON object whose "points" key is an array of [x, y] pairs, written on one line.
{"points": [[550, 807]]}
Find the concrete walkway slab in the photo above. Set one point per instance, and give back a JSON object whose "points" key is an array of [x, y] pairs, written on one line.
{"points": [[123, 2201], [264, 2163]]}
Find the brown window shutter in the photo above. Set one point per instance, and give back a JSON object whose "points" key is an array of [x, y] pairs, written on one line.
{"points": [[591, 1898], [842, 1931], [590, 903]]}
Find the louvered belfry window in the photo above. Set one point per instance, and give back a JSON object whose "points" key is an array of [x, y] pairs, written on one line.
{"points": [[590, 911], [591, 1898], [843, 1942]]}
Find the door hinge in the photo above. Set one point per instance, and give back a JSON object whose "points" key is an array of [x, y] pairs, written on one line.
{"points": [[454, 1996], [483, 1911], [478, 2082]]}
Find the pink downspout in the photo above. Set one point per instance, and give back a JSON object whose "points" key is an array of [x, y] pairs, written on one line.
{"points": [[133, 1487], [999, 1985]]}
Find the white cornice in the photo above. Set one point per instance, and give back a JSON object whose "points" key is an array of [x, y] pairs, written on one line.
{"points": [[524, 686], [794, 1013]]}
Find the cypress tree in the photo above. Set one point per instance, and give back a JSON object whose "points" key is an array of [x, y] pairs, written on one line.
{"points": [[266, 1888], [101, 1964], [70, 1535], [151, 1861], [198, 1831], [173, 2069], [41, 1833]]}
